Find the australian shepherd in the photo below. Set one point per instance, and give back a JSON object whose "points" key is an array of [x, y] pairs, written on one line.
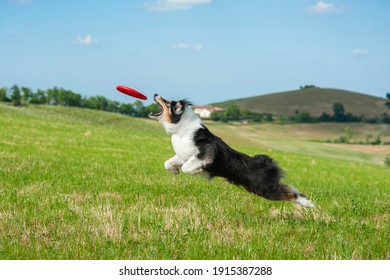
{"points": [[199, 152]]}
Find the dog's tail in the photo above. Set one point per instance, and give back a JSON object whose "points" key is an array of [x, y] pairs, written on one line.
{"points": [[270, 186], [301, 198], [282, 192]]}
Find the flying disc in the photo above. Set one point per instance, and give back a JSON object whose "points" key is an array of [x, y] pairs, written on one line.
{"points": [[131, 92]]}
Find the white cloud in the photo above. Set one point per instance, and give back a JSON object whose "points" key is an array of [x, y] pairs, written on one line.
{"points": [[325, 8], [359, 52], [185, 46], [180, 46], [86, 40], [198, 47], [174, 5]]}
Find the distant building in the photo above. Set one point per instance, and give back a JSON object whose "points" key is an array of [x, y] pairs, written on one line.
{"points": [[205, 111]]}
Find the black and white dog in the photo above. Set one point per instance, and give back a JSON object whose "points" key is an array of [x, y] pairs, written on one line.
{"points": [[199, 152]]}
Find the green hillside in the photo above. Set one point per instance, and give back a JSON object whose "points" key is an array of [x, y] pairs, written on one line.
{"points": [[313, 101], [86, 184]]}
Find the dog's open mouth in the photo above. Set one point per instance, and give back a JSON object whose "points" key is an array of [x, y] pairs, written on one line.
{"points": [[156, 114], [153, 114]]}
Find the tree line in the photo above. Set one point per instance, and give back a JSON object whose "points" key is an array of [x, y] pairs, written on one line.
{"points": [[58, 96], [339, 115], [233, 113]]}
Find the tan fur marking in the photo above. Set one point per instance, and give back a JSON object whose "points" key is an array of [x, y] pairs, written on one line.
{"points": [[166, 115]]}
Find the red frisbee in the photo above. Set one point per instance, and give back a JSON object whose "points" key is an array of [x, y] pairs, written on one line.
{"points": [[131, 92]]}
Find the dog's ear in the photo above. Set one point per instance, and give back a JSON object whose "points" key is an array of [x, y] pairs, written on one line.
{"points": [[185, 102], [179, 108]]}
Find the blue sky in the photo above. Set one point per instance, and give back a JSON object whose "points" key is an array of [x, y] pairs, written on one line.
{"points": [[204, 50]]}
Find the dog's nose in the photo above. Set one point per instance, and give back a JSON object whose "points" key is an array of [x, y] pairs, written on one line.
{"points": [[155, 95]]}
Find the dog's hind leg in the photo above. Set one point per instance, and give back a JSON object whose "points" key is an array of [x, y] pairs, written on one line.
{"points": [[193, 166], [283, 192]]}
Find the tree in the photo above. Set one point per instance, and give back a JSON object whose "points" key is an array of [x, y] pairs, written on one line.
{"points": [[268, 117], [27, 92], [15, 96], [154, 107], [71, 99], [339, 112], [384, 118], [60, 96], [3, 95], [304, 118], [39, 97], [126, 109], [325, 117], [388, 99], [307, 86], [101, 103], [52, 96], [232, 113], [138, 108], [113, 106], [216, 116]]}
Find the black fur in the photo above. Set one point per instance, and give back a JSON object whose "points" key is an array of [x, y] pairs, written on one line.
{"points": [[259, 174], [176, 116]]}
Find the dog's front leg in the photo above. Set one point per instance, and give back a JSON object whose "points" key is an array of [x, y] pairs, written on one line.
{"points": [[173, 165], [193, 165]]}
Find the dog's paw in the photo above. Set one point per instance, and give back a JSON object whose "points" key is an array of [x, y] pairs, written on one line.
{"points": [[172, 168], [197, 172], [304, 202], [191, 171], [174, 171]]}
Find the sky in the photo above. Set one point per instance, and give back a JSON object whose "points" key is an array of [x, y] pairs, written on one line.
{"points": [[203, 50]]}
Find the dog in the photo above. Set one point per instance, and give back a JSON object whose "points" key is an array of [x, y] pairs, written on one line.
{"points": [[200, 152]]}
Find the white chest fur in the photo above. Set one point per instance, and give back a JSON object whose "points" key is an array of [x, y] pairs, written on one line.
{"points": [[182, 135], [184, 146]]}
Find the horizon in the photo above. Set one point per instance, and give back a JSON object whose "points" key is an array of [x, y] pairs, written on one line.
{"points": [[205, 50]]}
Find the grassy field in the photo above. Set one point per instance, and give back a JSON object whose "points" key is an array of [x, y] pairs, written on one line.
{"points": [[304, 138], [82, 184]]}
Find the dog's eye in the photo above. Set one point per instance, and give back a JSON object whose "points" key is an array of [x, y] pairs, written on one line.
{"points": [[170, 104]]}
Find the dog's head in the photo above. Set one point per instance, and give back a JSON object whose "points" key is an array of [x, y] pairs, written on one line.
{"points": [[171, 112]]}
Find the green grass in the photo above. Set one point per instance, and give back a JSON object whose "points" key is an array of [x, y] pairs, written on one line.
{"points": [[82, 184], [306, 139]]}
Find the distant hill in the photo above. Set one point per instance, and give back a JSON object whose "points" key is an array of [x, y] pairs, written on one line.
{"points": [[313, 101]]}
